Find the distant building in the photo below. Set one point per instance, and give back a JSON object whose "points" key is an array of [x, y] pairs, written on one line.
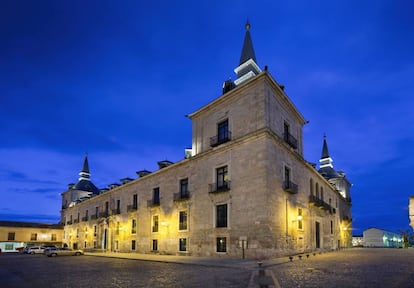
{"points": [[358, 241], [411, 211], [374, 237], [244, 187], [21, 234]]}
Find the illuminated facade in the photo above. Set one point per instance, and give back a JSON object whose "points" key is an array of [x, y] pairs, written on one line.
{"points": [[15, 235], [374, 237], [243, 188]]}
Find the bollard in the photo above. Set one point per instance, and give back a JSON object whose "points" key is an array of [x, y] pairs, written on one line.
{"points": [[261, 270]]}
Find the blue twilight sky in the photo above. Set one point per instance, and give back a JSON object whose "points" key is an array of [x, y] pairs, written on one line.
{"points": [[115, 79]]}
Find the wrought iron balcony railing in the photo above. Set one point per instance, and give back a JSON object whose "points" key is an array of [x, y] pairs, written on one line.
{"points": [[132, 207], [85, 218], [103, 214], [321, 204], [181, 196], [116, 211], [220, 139], [290, 187], [153, 203], [219, 187], [94, 217], [292, 141]]}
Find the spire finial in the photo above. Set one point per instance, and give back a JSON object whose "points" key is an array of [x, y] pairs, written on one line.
{"points": [[247, 25]]}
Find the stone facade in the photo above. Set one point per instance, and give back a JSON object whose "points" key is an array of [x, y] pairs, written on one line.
{"points": [[243, 189], [254, 175]]}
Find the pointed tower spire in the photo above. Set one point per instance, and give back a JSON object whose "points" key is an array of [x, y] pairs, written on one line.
{"points": [[325, 153], [247, 51], [84, 174], [326, 160], [247, 67]]}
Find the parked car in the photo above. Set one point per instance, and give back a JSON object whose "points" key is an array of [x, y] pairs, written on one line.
{"points": [[48, 248], [63, 252], [35, 250]]}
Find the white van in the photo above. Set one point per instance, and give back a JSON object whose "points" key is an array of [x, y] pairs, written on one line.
{"points": [[36, 250]]}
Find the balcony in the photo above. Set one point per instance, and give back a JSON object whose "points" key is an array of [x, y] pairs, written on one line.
{"points": [[69, 222], [292, 141], [116, 211], [181, 196], [94, 217], [153, 203], [75, 221], [103, 214], [290, 187], [218, 188], [132, 207], [84, 219], [220, 139], [321, 204]]}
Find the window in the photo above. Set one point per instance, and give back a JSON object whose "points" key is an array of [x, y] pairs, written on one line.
{"points": [[221, 215], [321, 193], [84, 244], [311, 186], [11, 236], [96, 211], [222, 178], [118, 206], [286, 131], [156, 196], [223, 131], [53, 237], [106, 207], [33, 236], [182, 220], [77, 233], [133, 245], [134, 226], [331, 227], [135, 201], [94, 245], [317, 190], [183, 244], [184, 188], [287, 175], [154, 245], [116, 245], [78, 217], [221, 244], [155, 223], [95, 230], [300, 221]]}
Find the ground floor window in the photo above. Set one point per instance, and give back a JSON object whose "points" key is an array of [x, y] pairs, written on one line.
{"points": [[133, 245], [94, 244], [221, 244], [116, 245], [33, 237], [84, 244], [154, 245], [183, 244]]}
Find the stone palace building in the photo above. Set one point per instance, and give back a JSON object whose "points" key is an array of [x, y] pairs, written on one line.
{"points": [[243, 189]]}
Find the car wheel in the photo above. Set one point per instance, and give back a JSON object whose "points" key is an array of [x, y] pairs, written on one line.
{"points": [[53, 254], [77, 254], [32, 252]]}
